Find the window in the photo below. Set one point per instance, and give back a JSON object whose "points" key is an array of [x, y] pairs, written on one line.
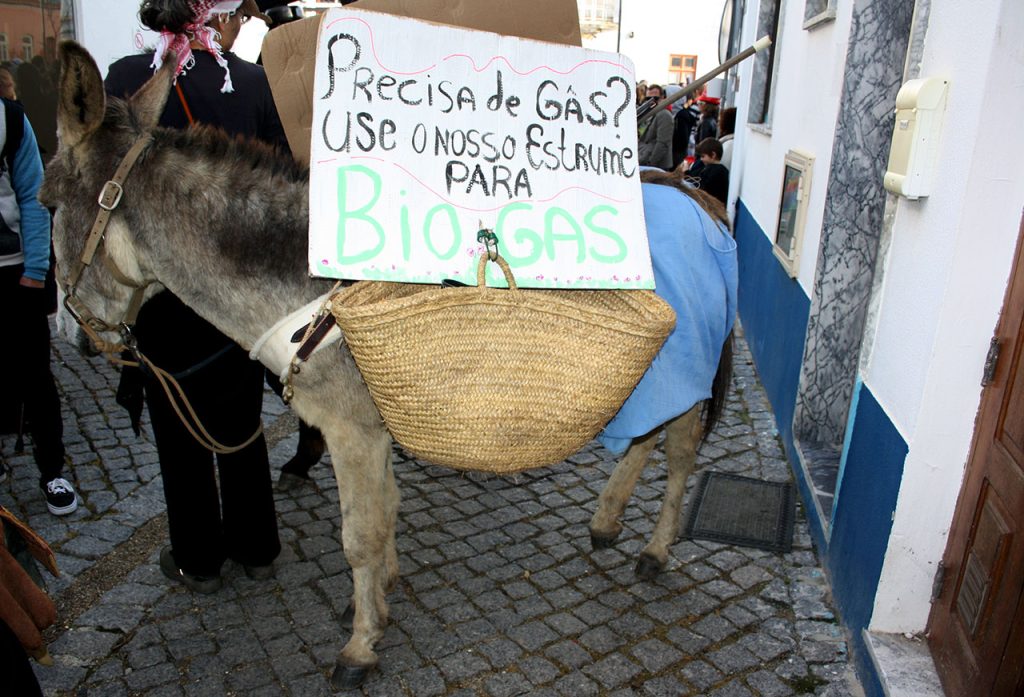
{"points": [[682, 68], [3, 48], [27, 45], [764, 64], [598, 14], [789, 231], [818, 12]]}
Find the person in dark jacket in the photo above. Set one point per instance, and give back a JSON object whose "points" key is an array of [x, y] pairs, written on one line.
{"points": [[237, 520], [708, 174], [707, 124]]}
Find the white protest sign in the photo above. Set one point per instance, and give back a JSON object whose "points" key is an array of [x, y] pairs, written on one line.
{"points": [[423, 134]]}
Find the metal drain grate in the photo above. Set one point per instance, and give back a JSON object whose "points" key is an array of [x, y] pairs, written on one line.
{"points": [[742, 511]]}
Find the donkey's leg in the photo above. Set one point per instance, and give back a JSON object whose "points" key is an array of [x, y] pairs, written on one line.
{"points": [[605, 525], [682, 436], [369, 508]]}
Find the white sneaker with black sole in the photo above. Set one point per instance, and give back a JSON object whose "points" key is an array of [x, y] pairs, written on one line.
{"points": [[61, 498]]}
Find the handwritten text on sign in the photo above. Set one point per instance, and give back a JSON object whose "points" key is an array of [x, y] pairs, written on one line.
{"points": [[424, 133]]}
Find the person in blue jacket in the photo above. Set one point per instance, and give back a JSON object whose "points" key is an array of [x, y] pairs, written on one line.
{"points": [[24, 261]]}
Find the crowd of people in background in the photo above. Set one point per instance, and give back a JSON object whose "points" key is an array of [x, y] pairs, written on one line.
{"points": [[692, 134]]}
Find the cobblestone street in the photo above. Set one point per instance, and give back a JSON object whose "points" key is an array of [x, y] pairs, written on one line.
{"points": [[500, 591]]}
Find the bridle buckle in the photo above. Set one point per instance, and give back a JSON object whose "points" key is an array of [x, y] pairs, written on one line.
{"points": [[110, 190]]}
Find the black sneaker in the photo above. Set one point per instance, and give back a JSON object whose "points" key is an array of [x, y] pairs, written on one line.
{"points": [[61, 498]]}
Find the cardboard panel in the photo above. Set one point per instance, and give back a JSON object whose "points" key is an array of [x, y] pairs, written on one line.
{"points": [[289, 52]]}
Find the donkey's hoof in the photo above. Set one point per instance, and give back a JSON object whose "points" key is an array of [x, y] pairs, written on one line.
{"points": [[647, 567], [348, 617], [601, 540], [349, 677]]}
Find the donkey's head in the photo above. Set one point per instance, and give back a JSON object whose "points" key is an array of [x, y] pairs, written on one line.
{"points": [[94, 135]]}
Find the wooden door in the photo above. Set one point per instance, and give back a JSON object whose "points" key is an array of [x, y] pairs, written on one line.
{"points": [[976, 627]]}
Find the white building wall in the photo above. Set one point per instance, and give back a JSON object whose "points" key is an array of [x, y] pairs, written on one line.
{"points": [[652, 31], [805, 105], [109, 29], [945, 278]]}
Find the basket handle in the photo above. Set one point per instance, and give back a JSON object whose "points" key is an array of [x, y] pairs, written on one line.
{"points": [[491, 241], [481, 272]]}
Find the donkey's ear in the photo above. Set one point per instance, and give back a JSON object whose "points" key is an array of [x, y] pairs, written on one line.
{"points": [[82, 100], [148, 102]]}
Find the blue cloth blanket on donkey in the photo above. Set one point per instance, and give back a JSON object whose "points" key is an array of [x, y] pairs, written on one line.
{"points": [[695, 271]]}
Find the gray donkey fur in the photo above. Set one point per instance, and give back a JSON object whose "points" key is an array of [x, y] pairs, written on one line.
{"points": [[222, 223]]}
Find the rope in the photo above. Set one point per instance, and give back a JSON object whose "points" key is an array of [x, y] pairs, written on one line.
{"points": [[203, 437]]}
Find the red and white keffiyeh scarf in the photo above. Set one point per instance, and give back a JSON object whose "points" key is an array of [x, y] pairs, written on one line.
{"points": [[181, 44]]}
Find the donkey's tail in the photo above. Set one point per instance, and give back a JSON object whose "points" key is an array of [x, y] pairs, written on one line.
{"points": [[719, 389]]}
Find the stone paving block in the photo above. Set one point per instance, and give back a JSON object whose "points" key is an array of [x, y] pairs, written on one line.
{"points": [[768, 685], [765, 646], [532, 635], [601, 640], [461, 665], [151, 677], [594, 613], [190, 646], [425, 681], [111, 688], [575, 684], [249, 678], [750, 575], [655, 655], [732, 659], [314, 685], [501, 652], [734, 688], [612, 670], [701, 674], [665, 686], [568, 653], [713, 627], [507, 685], [631, 625]]}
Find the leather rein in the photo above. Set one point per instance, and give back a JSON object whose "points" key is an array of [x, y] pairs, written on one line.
{"points": [[109, 199]]}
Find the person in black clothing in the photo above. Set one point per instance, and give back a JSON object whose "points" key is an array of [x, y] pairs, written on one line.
{"points": [[707, 125], [685, 119], [709, 174], [311, 445], [237, 520]]}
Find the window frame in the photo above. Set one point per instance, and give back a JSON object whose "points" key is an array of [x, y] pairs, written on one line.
{"points": [[818, 12], [794, 196]]}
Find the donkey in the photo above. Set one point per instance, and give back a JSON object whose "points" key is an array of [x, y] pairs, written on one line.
{"points": [[222, 223]]}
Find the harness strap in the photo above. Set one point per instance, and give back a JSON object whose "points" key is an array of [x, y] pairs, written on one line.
{"points": [[109, 198], [275, 347], [310, 342]]}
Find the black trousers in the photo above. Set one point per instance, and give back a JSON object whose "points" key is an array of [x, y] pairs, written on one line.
{"points": [[25, 351], [18, 676], [211, 518]]}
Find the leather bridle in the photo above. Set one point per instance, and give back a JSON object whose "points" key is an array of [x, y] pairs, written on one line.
{"points": [[109, 199]]}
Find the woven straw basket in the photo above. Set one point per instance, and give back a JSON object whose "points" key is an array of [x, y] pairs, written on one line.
{"points": [[499, 380]]}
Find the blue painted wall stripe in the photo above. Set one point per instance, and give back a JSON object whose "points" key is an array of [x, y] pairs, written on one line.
{"points": [[774, 310], [863, 520]]}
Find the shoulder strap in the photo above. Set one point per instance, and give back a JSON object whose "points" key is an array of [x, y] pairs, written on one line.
{"points": [[14, 118], [184, 104]]}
